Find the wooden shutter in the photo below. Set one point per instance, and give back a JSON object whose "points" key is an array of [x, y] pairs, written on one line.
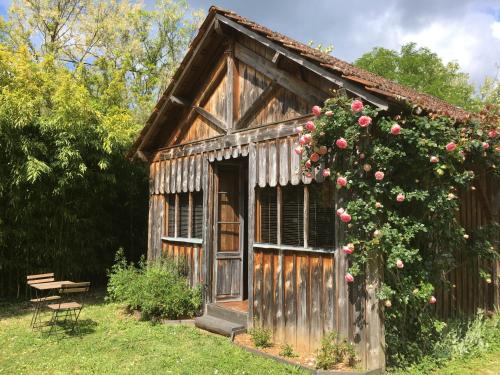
{"points": [[321, 215], [183, 215], [292, 222], [197, 223], [268, 215], [171, 216]]}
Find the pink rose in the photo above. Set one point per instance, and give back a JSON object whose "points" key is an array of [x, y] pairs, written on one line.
{"points": [[432, 300], [378, 205], [357, 106], [379, 175], [486, 145], [310, 126], [326, 172], [367, 167], [388, 303], [345, 217], [307, 138], [349, 278], [341, 181], [399, 264], [307, 164], [395, 129], [316, 110], [314, 157], [302, 141], [364, 121], [341, 143], [299, 129], [322, 150], [299, 150], [340, 211], [347, 250], [434, 159], [492, 133], [329, 113], [451, 146], [400, 197], [309, 175]]}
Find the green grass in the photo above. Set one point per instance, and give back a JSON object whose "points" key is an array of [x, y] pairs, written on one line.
{"points": [[113, 343]]}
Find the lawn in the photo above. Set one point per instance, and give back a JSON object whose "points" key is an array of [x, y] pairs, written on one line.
{"points": [[113, 342]]}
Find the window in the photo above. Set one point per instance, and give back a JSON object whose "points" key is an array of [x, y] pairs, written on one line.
{"points": [[297, 217], [184, 215], [321, 216], [267, 231], [197, 224], [292, 222]]}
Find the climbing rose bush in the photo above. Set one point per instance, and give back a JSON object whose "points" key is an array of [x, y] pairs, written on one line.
{"points": [[399, 177]]}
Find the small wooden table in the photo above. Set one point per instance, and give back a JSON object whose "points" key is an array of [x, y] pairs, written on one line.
{"points": [[50, 285], [46, 290]]}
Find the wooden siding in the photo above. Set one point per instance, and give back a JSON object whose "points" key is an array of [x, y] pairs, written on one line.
{"points": [[296, 294], [190, 256], [198, 130], [465, 291]]}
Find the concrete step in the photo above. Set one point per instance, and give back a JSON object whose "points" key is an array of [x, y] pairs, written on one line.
{"points": [[219, 326], [234, 316]]}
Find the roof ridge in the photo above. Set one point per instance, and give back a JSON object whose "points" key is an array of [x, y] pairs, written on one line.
{"points": [[396, 89]]}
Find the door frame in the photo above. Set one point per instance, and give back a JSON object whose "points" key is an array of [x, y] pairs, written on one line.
{"points": [[242, 214]]}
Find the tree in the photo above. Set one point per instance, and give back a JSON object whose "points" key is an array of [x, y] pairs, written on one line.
{"points": [[423, 70], [109, 40]]}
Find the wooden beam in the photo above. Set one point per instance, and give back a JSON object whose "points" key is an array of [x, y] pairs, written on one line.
{"points": [[333, 78], [214, 121], [186, 68], [304, 90], [230, 85], [276, 57], [256, 105], [180, 101]]}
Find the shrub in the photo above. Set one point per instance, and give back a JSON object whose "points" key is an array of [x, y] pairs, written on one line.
{"points": [[261, 337], [334, 351], [287, 351], [158, 289]]}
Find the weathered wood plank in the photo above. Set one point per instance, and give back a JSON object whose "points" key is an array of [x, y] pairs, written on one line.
{"points": [[284, 161], [316, 322], [262, 164], [173, 175], [257, 288], [199, 163], [179, 175], [167, 176], [162, 177], [273, 163], [256, 106], [301, 88], [295, 168], [252, 158], [185, 174], [375, 326], [192, 173], [303, 303], [217, 123]]}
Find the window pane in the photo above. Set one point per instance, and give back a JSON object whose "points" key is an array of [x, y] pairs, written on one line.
{"points": [[292, 224], [171, 215], [183, 215], [268, 216], [321, 215], [197, 215]]}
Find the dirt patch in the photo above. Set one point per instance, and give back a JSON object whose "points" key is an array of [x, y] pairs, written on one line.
{"points": [[303, 358]]}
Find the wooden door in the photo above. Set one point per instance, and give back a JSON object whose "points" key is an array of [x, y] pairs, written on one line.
{"points": [[229, 232]]}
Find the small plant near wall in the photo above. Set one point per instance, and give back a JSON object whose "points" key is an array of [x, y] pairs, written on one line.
{"points": [[335, 351], [261, 337], [399, 178], [286, 350]]}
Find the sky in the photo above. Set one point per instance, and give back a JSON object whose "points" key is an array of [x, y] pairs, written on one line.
{"points": [[466, 31]]}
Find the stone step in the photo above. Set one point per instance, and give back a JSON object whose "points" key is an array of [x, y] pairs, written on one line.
{"points": [[219, 326], [234, 316]]}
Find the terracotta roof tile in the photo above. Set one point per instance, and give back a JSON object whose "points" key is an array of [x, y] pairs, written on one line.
{"points": [[375, 83]]}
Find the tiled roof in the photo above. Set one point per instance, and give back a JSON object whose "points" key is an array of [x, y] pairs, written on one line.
{"points": [[371, 82]]}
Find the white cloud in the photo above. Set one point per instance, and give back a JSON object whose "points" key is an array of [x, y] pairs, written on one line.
{"points": [[495, 29]]}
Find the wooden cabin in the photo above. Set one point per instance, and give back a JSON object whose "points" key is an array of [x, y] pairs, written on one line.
{"points": [[227, 196]]}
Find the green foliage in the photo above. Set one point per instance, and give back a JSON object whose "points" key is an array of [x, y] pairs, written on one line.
{"points": [[286, 350], [261, 337], [334, 351], [158, 290], [462, 338], [423, 70], [422, 231]]}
